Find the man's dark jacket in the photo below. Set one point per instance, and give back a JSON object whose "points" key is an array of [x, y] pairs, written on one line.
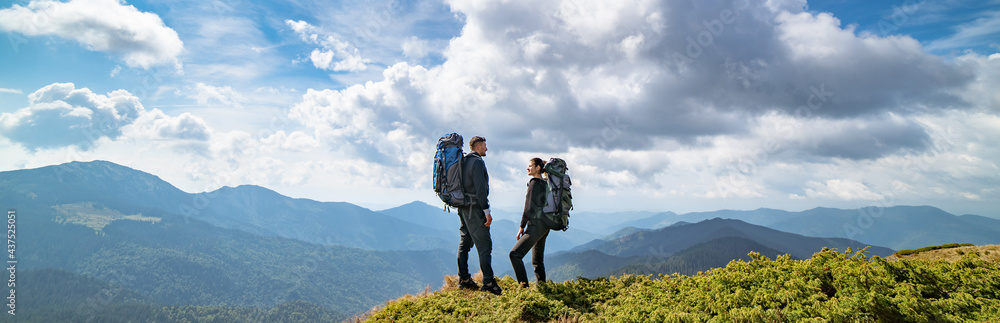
{"points": [[475, 180]]}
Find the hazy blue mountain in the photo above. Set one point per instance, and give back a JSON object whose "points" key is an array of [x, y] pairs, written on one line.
{"points": [[592, 244], [603, 224], [688, 248], [247, 208], [654, 221], [700, 257], [565, 266], [669, 240], [98, 181], [622, 232], [124, 228], [978, 220], [503, 230], [898, 227], [259, 210], [427, 215], [760, 216]]}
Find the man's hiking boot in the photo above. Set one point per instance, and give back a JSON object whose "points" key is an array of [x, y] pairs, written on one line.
{"points": [[492, 287], [468, 284]]}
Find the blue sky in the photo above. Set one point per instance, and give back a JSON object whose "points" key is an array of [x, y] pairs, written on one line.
{"points": [[656, 105]]}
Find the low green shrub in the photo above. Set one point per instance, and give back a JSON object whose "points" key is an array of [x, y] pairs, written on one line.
{"points": [[830, 286]]}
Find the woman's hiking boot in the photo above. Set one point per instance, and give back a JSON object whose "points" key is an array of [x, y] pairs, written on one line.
{"points": [[492, 287]]}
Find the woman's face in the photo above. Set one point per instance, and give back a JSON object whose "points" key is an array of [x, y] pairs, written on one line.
{"points": [[533, 169]]}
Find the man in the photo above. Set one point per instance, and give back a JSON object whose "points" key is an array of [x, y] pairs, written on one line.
{"points": [[476, 219]]}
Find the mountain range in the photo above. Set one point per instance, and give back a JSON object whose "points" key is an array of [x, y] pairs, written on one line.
{"points": [[687, 248], [107, 227], [896, 227], [504, 231], [129, 229]]}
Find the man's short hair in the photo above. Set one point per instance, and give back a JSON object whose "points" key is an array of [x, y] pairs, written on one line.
{"points": [[475, 140]]}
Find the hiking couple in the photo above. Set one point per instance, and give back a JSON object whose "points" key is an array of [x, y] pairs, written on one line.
{"points": [[476, 217]]}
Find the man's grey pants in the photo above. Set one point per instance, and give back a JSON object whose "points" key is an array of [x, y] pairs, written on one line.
{"points": [[474, 232]]}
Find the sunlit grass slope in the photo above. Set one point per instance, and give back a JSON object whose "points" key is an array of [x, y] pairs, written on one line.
{"points": [[830, 286]]}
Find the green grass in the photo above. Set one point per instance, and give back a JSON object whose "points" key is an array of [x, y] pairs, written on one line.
{"points": [[830, 286], [88, 215], [987, 253], [906, 252]]}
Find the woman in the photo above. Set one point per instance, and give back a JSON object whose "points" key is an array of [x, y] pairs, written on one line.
{"points": [[532, 233]]}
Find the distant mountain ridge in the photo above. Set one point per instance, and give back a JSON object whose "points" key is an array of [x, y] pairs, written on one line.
{"points": [[897, 227], [259, 210], [447, 223], [266, 212], [249, 208], [688, 248], [672, 239]]}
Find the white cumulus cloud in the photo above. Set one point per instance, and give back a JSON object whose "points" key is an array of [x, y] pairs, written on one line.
{"points": [[61, 115], [333, 54], [140, 38], [416, 48]]}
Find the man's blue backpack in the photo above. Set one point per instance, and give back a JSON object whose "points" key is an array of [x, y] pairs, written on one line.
{"points": [[448, 171]]}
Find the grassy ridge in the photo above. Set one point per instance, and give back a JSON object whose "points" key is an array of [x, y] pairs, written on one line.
{"points": [[988, 253], [829, 286], [906, 252]]}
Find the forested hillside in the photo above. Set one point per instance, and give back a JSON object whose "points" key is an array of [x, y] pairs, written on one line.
{"points": [[180, 262], [111, 227], [61, 296]]}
